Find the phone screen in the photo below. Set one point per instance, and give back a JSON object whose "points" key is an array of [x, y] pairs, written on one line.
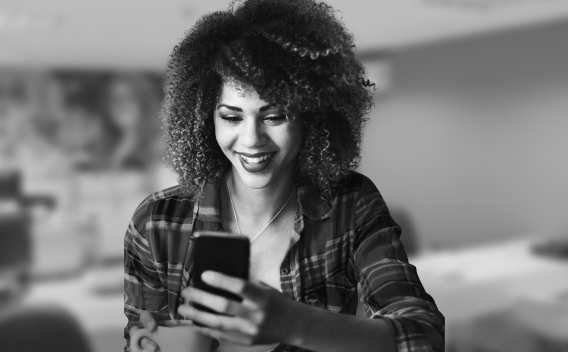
{"points": [[225, 254]]}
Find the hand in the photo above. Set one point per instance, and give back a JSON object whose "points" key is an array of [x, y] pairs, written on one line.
{"points": [[265, 315], [149, 322]]}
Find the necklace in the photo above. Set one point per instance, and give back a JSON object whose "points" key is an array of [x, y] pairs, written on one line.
{"points": [[265, 227]]}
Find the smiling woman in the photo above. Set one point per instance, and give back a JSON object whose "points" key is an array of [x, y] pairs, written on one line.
{"points": [[258, 139], [263, 115]]}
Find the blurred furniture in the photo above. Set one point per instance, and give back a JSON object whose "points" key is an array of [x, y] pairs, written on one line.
{"points": [[98, 311], [15, 239], [488, 288], [15, 246], [42, 328]]}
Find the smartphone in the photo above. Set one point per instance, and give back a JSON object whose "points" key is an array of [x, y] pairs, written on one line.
{"points": [[223, 253]]}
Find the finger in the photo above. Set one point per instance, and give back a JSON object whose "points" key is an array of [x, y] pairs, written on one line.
{"points": [[214, 321], [133, 329], [198, 315], [149, 345], [217, 303], [229, 283], [250, 291], [148, 320]]}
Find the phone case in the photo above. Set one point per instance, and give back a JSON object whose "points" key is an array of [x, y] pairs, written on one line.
{"points": [[225, 254]]}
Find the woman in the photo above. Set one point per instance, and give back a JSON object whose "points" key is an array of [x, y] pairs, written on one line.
{"points": [[263, 115]]}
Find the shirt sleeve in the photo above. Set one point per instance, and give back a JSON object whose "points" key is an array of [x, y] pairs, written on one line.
{"points": [[390, 285], [143, 289]]}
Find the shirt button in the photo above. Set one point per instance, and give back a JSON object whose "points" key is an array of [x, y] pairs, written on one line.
{"points": [[284, 271]]}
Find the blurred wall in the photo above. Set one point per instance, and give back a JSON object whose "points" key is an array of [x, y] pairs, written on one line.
{"points": [[471, 141]]}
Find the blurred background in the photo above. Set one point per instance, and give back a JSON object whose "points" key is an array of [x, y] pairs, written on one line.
{"points": [[467, 143]]}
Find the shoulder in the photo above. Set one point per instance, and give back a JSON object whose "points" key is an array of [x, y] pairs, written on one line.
{"points": [[169, 201], [357, 184], [177, 193], [363, 197]]}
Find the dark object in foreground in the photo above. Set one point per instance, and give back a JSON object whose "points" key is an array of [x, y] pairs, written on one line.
{"points": [[46, 329], [225, 254]]}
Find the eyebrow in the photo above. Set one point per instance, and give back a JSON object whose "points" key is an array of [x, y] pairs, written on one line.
{"points": [[234, 108], [229, 107]]}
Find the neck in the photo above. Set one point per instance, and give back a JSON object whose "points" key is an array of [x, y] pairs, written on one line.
{"points": [[262, 203]]}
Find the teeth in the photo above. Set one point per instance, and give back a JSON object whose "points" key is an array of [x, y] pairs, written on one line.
{"points": [[256, 160]]}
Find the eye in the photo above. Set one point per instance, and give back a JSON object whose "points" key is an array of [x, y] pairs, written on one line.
{"points": [[275, 119], [233, 119]]}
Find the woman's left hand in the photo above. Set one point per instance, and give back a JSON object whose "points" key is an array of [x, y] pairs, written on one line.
{"points": [[264, 316]]}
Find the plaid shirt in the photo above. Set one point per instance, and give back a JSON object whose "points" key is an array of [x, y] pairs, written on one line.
{"points": [[337, 244]]}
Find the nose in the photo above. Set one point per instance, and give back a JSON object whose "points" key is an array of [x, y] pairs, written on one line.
{"points": [[252, 134]]}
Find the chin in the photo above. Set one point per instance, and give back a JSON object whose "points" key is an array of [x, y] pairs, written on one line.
{"points": [[255, 181], [266, 177]]}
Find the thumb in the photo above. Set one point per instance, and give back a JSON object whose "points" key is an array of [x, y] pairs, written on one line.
{"points": [[147, 319], [145, 343], [149, 345]]}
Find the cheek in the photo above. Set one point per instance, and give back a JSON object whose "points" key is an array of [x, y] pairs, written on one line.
{"points": [[221, 136], [295, 139]]}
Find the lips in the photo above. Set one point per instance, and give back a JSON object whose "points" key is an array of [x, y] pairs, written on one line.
{"points": [[255, 162]]}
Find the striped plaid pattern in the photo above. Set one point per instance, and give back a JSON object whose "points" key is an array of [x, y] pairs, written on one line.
{"points": [[339, 243]]}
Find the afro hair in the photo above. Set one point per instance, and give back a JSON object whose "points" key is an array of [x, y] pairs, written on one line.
{"points": [[296, 54]]}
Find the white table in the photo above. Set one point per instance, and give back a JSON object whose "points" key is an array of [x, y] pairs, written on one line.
{"points": [[478, 281]]}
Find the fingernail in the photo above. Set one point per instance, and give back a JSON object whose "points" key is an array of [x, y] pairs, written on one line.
{"points": [[154, 347], [207, 276], [149, 345]]}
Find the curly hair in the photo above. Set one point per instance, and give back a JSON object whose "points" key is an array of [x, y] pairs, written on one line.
{"points": [[295, 54]]}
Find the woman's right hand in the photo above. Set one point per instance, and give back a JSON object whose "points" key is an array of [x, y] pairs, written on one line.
{"points": [[150, 324]]}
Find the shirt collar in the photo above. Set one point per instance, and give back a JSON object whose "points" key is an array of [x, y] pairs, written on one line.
{"points": [[309, 201], [311, 204]]}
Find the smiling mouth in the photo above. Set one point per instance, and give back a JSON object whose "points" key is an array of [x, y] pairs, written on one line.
{"points": [[256, 159]]}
